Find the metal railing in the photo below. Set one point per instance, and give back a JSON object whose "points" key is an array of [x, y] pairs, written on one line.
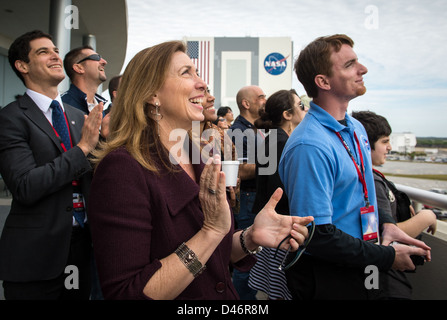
{"points": [[426, 197], [429, 280], [420, 198]]}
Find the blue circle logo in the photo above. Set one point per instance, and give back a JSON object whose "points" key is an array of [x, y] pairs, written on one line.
{"points": [[275, 63], [365, 142]]}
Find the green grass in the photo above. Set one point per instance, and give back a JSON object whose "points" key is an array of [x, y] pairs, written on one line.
{"points": [[440, 177]]}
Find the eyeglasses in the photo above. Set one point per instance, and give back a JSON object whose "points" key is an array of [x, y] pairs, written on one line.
{"points": [[302, 106], [221, 119], [94, 57], [300, 250]]}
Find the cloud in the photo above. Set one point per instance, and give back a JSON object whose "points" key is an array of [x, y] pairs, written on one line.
{"points": [[402, 42], [421, 111]]}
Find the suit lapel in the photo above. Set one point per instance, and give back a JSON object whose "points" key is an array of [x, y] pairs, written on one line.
{"points": [[180, 181], [35, 115], [74, 123]]}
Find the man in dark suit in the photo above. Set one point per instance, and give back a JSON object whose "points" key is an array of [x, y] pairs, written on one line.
{"points": [[44, 251]]}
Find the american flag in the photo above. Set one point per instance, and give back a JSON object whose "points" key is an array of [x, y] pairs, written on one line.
{"points": [[200, 53]]}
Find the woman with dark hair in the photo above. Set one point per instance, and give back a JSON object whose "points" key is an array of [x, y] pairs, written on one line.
{"points": [[283, 111], [227, 114]]}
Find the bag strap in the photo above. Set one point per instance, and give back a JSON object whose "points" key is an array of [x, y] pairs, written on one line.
{"points": [[388, 183]]}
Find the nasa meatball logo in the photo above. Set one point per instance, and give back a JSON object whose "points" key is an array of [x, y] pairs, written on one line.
{"points": [[275, 63], [365, 142]]}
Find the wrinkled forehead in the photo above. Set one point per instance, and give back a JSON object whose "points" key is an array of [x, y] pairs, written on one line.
{"points": [[181, 60]]}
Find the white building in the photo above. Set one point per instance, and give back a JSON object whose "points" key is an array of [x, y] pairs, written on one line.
{"points": [[227, 64], [403, 142]]}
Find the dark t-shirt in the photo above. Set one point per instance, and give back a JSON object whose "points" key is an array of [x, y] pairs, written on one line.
{"points": [[392, 283]]}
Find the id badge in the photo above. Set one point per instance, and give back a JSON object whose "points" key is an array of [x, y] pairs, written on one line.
{"points": [[78, 202], [370, 224]]}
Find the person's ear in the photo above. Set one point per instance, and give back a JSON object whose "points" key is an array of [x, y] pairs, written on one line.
{"points": [[287, 115], [78, 68], [322, 82], [154, 101], [21, 66], [246, 104]]}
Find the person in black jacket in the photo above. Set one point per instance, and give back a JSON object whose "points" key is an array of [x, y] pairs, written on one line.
{"points": [[48, 177], [394, 283]]}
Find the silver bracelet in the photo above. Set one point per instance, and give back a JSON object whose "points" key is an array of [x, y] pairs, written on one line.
{"points": [[189, 259], [242, 240]]}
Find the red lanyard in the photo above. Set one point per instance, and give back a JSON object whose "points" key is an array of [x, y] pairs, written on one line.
{"points": [[360, 171]]}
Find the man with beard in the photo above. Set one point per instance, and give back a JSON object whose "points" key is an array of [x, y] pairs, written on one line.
{"points": [[86, 70], [249, 99], [214, 140], [327, 173]]}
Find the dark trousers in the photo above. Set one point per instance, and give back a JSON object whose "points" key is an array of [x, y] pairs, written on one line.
{"points": [[314, 279], [244, 219], [73, 285]]}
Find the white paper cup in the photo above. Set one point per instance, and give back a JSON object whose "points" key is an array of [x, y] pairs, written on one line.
{"points": [[230, 168]]}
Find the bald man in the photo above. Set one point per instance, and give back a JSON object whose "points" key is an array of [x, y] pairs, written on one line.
{"points": [[250, 100]]}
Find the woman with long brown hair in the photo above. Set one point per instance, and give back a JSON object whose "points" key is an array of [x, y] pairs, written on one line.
{"points": [[161, 223]]}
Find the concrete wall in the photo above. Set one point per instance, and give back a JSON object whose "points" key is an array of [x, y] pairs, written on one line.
{"points": [[430, 280]]}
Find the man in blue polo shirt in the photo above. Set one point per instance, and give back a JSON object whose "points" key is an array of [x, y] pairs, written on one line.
{"points": [[327, 173]]}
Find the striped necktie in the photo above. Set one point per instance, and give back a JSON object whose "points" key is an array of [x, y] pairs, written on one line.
{"points": [[60, 125]]}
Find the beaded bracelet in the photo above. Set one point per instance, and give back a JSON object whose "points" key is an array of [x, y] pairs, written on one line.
{"points": [[242, 240], [189, 259]]}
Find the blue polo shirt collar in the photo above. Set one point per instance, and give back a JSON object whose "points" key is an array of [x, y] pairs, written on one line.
{"points": [[329, 121]]}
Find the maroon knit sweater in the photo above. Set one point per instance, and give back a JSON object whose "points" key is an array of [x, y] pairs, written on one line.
{"points": [[138, 217]]}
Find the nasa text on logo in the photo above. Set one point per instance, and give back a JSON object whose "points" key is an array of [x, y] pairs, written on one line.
{"points": [[275, 63]]}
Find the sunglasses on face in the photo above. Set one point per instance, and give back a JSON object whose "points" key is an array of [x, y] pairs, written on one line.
{"points": [[94, 57], [301, 106]]}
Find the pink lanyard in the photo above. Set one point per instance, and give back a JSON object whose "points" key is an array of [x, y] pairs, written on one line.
{"points": [[360, 172]]}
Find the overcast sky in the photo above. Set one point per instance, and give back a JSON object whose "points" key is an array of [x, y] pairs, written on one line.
{"points": [[403, 43]]}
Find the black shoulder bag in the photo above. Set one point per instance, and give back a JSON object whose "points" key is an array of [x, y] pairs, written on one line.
{"points": [[403, 202]]}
